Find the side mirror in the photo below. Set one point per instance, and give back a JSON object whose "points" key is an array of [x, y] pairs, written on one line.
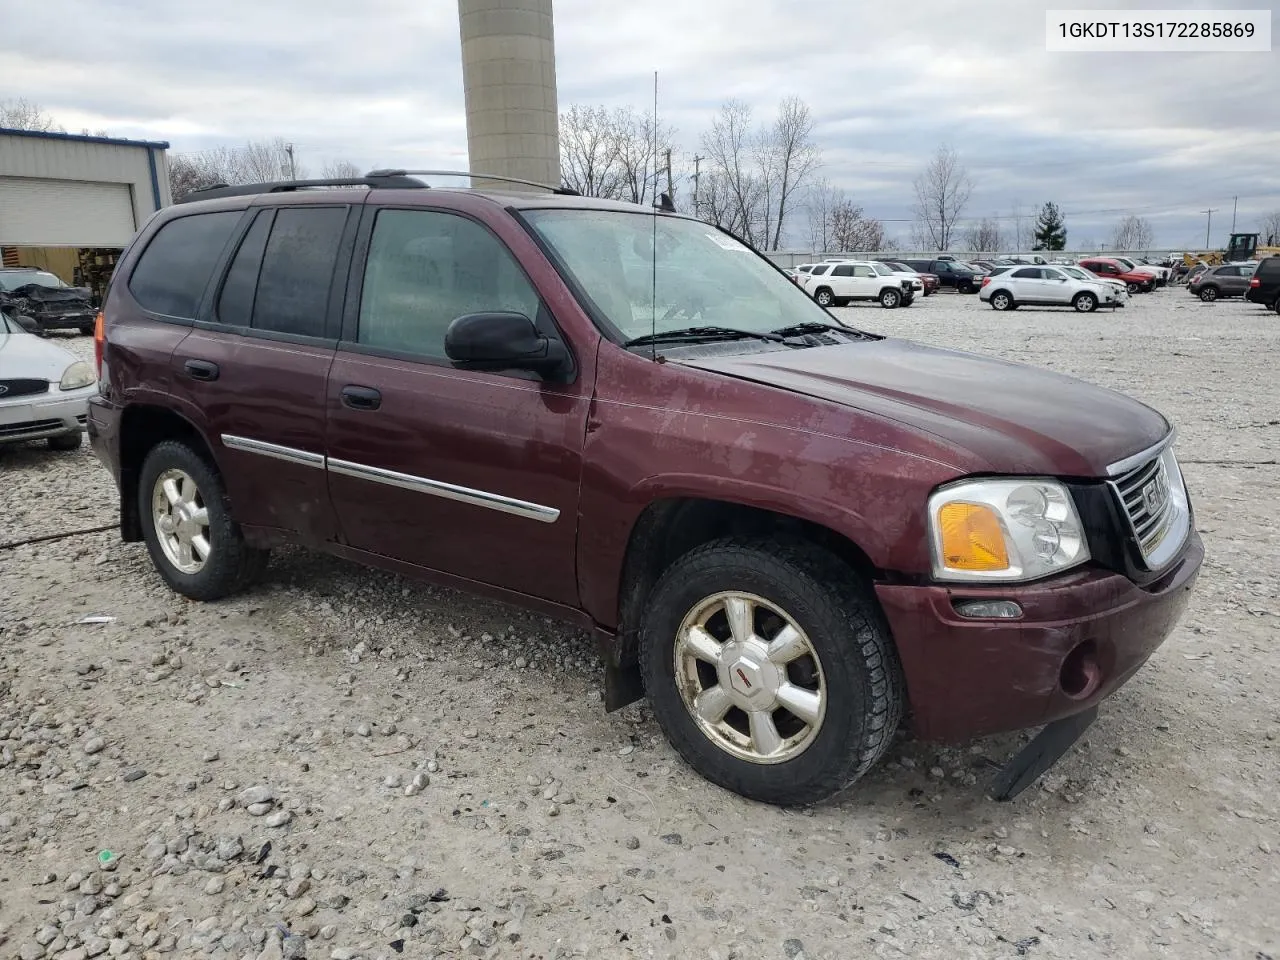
{"points": [[504, 341]]}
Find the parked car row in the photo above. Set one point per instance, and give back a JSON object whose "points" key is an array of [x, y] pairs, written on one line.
{"points": [[1008, 288]]}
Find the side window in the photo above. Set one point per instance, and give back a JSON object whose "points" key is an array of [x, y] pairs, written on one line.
{"points": [[820, 270], [863, 271], [235, 303], [843, 271], [1228, 271], [297, 269], [942, 266], [1026, 273], [173, 271], [425, 269]]}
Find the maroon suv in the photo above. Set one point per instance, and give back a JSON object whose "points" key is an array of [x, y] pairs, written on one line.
{"points": [[788, 533]]}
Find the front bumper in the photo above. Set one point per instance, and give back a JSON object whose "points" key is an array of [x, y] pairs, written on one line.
{"points": [[968, 678], [44, 415], [68, 320]]}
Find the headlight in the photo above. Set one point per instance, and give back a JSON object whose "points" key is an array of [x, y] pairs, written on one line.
{"points": [[78, 375], [1004, 530]]}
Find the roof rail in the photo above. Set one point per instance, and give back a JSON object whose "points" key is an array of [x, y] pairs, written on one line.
{"points": [[563, 191], [377, 180]]}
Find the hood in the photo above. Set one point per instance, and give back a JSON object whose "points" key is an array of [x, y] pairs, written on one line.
{"points": [[24, 355], [34, 291], [987, 415]]}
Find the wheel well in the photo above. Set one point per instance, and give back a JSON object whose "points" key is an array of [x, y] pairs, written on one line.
{"points": [[668, 529], [142, 428]]}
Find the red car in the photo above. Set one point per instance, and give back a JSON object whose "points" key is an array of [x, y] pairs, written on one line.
{"points": [[1115, 270], [788, 533]]}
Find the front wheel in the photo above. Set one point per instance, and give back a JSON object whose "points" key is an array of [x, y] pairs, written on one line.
{"points": [[889, 299], [1208, 294], [824, 298], [1085, 302], [770, 669], [186, 519], [1133, 289]]}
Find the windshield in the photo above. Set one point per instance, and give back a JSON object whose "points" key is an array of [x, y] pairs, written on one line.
{"points": [[703, 276], [1077, 273], [12, 281], [1128, 264], [883, 269]]}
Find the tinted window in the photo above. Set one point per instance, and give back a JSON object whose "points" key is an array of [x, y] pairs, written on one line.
{"points": [[1227, 272], [297, 268], [425, 270], [175, 268], [819, 271], [1026, 273], [942, 267], [804, 269], [235, 303], [844, 271], [1269, 267]]}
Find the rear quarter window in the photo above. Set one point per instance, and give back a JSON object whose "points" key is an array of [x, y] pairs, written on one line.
{"points": [[173, 271]]}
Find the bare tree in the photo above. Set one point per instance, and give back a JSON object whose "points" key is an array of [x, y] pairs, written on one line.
{"points": [[341, 170], [1133, 233], [22, 114], [822, 198], [790, 157], [942, 191], [256, 161], [640, 154], [737, 187], [589, 151], [266, 160], [852, 230], [984, 236], [1269, 229], [190, 172]]}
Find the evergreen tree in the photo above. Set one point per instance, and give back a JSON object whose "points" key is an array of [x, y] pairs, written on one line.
{"points": [[1051, 229]]}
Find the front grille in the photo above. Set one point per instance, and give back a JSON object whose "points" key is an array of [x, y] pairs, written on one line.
{"points": [[22, 388], [1146, 496], [31, 426]]}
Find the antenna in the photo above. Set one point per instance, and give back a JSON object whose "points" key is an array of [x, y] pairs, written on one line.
{"points": [[653, 302]]}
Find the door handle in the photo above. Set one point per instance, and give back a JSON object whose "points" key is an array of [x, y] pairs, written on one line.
{"points": [[201, 370], [361, 398]]}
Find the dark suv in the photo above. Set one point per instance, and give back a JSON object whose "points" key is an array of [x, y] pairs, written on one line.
{"points": [[950, 273], [1264, 285], [788, 533]]}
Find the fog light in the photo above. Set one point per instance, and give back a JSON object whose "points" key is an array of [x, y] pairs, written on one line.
{"points": [[987, 609]]}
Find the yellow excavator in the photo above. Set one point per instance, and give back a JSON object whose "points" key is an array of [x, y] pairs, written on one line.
{"points": [[1241, 246]]}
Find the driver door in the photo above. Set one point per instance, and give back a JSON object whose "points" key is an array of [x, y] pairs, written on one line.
{"points": [[1056, 288]]}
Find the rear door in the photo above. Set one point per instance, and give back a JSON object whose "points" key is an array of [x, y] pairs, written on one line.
{"points": [[258, 358], [472, 474], [1230, 280]]}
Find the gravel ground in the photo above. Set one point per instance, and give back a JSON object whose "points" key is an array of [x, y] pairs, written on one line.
{"points": [[245, 779]]}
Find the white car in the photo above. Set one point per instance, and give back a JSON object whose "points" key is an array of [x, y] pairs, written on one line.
{"points": [[1119, 289], [1045, 286], [44, 389], [838, 282]]}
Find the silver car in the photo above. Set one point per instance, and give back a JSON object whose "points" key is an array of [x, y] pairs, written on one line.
{"points": [[44, 389]]}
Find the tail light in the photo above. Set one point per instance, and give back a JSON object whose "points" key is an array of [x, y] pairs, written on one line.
{"points": [[1255, 282], [99, 341], [985, 281]]}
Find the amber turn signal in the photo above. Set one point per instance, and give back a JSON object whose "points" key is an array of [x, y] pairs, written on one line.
{"points": [[971, 537]]}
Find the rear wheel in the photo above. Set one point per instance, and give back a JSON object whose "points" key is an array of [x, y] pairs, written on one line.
{"points": [[770, 669], [186, 519], [824, 297], [1133, 288], [1085, 302], [1000, 300], [889, 299], [1208, 294]]}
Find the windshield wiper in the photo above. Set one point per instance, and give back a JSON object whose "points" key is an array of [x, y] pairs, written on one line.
{"points": [[703, 333], [799, 329]]}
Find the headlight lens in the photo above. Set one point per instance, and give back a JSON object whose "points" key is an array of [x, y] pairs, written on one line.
{"points": [[78, 375], [1004, 530]]}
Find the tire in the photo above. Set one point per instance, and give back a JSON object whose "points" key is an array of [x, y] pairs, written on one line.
{"points": [[890, 299], [1001, 300], [86, 329], [1085, 302], [66, 441], [824, 297], [908, 300], [230, 564], [849, 658], [1133, 288], [1208, 294]]}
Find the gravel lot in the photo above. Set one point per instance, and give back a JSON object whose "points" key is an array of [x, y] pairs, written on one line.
{"points": [[269, 787]]}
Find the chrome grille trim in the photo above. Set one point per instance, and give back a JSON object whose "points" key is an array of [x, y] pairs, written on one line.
{"points": [[1159, 532], [1121, 467]]}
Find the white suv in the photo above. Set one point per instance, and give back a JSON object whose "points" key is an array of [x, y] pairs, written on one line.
{"points": [[836, 283], [1045, 286]]}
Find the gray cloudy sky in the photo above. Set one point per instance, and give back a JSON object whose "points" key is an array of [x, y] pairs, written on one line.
{"points": [[1163, 135]]}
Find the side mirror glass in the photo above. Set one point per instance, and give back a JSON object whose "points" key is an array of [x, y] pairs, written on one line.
{"points": [[504, 341]]}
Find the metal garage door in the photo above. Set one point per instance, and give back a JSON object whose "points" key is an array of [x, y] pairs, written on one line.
{"points": [[65, 213]]}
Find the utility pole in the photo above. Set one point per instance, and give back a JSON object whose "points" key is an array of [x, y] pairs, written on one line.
{"points": [[288, 148], [1207, 225], [1233, 213], [671, 190], [697, 161]]}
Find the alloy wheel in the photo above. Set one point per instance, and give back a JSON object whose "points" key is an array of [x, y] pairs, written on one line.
{"points": [[750, 677], [181, 521]]}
